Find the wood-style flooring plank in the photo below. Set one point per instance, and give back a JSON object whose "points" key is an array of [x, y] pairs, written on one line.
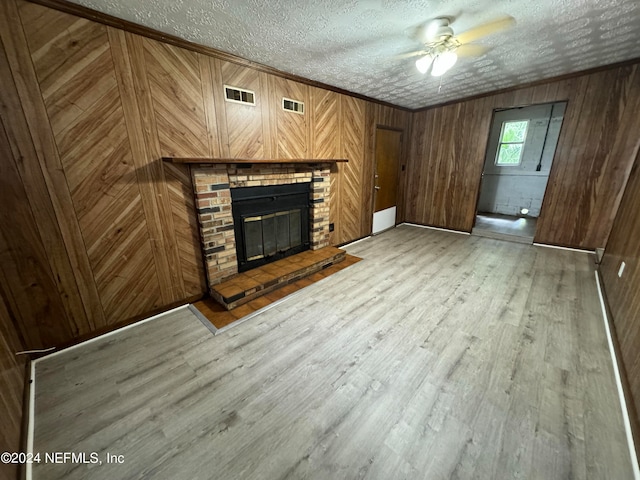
{"points": [[437, 356]]}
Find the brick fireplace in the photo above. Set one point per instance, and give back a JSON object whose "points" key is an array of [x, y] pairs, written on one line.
{"points": [[213, 184]]}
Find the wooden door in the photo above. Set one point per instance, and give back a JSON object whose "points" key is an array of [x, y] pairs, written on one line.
{"points": [[387, 153]]}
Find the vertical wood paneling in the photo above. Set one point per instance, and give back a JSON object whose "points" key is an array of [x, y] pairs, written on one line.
{"points": [[176, 90], [325, 123], [623, 293], [128, 54], [207, 76], [29, 132], [75, 97], [291, 129], [372, 118], [29, 295], [568, 141], [592, 161], [335, 209], [604, 128], [244, 123], [27, 281], [181, 91], [215, 67], [324, 118], [187, 232], [151, 178], [71, 67], [351, 181], [404, 177], [440, 192], [12, 375], [95, 151], [269, 121]]}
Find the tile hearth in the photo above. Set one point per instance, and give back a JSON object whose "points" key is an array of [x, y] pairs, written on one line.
{"points": [[222, 318], [247, 286]]}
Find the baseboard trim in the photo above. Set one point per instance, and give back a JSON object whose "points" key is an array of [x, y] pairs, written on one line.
{"points": [[571, 249], [109, 333], [354, 242], [616, 372], [435, 228], [31, 414], [25, 417]]}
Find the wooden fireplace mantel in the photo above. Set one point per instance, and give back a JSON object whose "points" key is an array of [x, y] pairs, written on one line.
{"points": [[222, 161]]}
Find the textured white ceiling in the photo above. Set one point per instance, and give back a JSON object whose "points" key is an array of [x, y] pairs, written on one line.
{"points": [[353, 44]]}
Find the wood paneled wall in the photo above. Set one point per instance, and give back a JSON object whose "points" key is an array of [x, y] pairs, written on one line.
{"points": [[103, 231], [24, 262], [600, 132], [12, 377], [623, 293]]}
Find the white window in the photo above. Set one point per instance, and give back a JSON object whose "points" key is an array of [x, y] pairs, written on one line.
{"points": [[512, 138]]}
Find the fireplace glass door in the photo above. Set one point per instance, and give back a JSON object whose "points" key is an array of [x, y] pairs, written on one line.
{"points": [[270, 223], [266, 235]]}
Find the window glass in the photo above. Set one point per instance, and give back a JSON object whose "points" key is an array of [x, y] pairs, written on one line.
{"points": [[511, 144]]}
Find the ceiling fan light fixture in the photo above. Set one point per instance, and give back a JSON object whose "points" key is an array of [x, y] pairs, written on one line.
{"points": [[443, 62], [423, 63]]}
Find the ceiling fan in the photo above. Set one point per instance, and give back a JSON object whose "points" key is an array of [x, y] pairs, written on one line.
{"points": [[442, 47]]}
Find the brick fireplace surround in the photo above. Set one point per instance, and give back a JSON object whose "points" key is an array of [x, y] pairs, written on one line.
{"points": [[213, 183]]}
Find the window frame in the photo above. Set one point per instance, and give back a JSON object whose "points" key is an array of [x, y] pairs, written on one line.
{"points": [[500, 143]]}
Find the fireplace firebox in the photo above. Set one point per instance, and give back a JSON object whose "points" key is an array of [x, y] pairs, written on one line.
{"points": [[270, 222]]}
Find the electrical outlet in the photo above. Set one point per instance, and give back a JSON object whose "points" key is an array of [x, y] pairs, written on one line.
{"points": [[622, 265]]}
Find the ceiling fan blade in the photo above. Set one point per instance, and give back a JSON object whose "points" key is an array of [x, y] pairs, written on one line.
{"points": [[471, 50], [410, 54], [488, 28]]}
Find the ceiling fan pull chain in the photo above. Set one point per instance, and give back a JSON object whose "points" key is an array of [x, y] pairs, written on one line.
{"points": [[440, 85]]}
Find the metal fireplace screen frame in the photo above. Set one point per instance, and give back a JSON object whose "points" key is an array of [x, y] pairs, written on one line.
{"points": [[270, 223]]}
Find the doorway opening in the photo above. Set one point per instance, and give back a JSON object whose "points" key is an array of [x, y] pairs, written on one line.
{"points": [[520, 151]]}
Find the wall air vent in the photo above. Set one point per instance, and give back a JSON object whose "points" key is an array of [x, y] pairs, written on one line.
{"points": [[293, 105], [239, 95]]}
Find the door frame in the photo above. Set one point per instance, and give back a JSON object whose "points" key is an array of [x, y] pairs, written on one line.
{"points": [[553, 162], [372, 180]]}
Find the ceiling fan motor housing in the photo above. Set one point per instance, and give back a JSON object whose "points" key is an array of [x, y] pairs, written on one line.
{"points": [[438, 30]]}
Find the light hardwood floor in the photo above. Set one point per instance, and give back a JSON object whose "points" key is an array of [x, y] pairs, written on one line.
{"points": [[438, 356], [505, 227]]}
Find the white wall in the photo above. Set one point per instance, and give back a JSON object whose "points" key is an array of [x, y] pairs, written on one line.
{"points": [[507, 189]]}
